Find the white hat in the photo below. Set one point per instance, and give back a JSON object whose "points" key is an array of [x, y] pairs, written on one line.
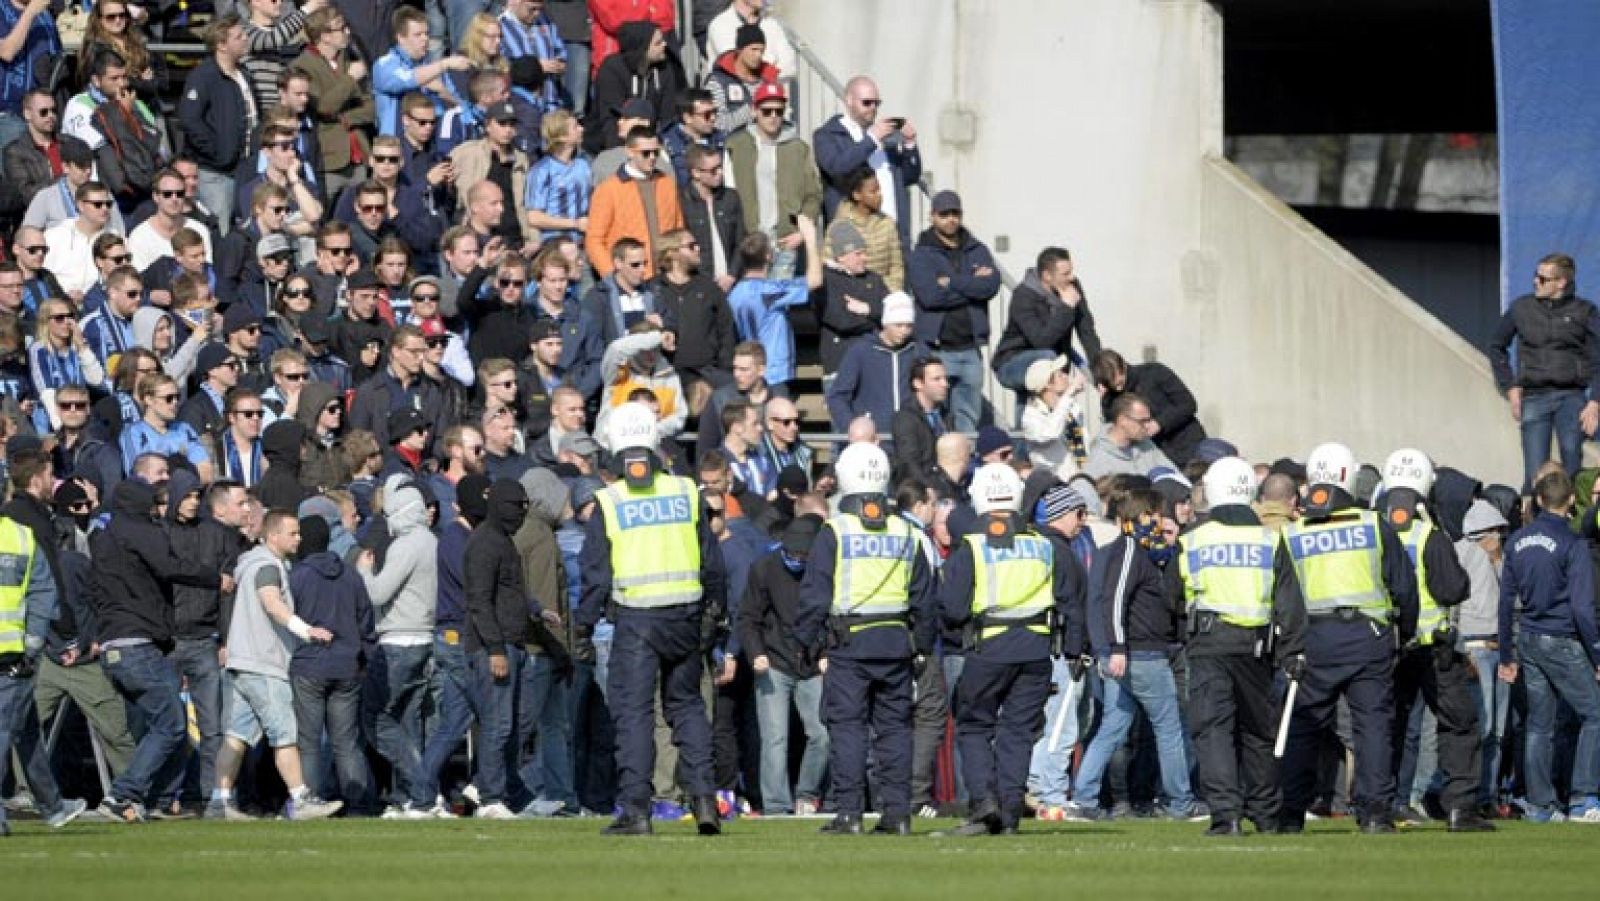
{"points": [[1039, 373], [1481, 517], [1409, 468], [862, 468], [631, 425], [899, 309], [1230, 481], [1332, 464], [996, 487]]}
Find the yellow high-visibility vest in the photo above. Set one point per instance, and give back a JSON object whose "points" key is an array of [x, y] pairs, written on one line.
{"points": [[655, 542], [1012, 585], [1340, 564], [1228, 570], [871, 569], [16, 565]]}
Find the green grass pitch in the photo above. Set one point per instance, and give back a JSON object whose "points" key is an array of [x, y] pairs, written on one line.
{"points": [[756, 860]]}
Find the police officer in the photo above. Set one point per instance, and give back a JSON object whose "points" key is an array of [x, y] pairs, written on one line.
{"points": [[1245, 615], [866, 615], [1429, 663], [1360, 594], [1006, 587], [27, 606], [651, 557]]}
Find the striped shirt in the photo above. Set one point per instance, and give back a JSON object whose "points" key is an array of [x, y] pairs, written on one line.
{"points": [[540, 40], [271, 50], [560, 190]]}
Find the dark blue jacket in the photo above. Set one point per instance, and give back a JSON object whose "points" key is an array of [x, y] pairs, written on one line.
{"points": [[745, 545], [451, 612], [211, 110], [1548, 567], [329, 594], [838, 155], [876, 643], [872, 378], [930, 261]]}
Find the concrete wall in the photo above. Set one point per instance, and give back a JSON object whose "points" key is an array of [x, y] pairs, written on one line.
{"points": [[1098, 126]]}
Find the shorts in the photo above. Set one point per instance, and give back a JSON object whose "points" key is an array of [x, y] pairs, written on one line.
{"points": [[258, 705]]}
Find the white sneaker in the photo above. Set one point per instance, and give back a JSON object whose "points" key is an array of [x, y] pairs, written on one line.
{"points": [[416, 813], [312, 807], [440, 811], [495, 811], [70, 810], [471, 794], [805, 807], [927, 812]]}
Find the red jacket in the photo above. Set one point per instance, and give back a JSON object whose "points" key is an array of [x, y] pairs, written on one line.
{"points": [[609, 15]]}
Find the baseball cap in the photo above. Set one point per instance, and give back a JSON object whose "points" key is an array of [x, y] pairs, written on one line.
{"points": [[637, 108], [273, 245], [501, 112], [542, 329], [770, 92], [362, 280], [898, 309], [1039, 372], [432, 327], [579, 443], [945, 201], [403, 422]]}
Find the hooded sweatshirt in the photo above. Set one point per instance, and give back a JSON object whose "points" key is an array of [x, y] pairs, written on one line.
{"points": [[200, 613], [542, 569], [322, 466], [179, 361], [405, 591], [256, 644], [280, 486], [330, 594], [497, 614], [135, 570], [628, 74], [873, 378]]}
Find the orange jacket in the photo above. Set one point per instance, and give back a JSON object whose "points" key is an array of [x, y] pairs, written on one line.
{"points": [[617, 211]]}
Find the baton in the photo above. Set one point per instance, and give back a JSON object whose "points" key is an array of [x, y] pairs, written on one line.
{"points": [[1283, 723], [1067, 708]]}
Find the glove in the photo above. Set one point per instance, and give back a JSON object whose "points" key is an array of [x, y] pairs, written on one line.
{"points": [[1294, 667], [1079, 665], [583, 644]]}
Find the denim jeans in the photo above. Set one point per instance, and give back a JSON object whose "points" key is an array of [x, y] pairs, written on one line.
{"points": [[215, 192], [1494, 700], [148, 681], [1543, 414], [1050, 773], [545, 710], [397, 679], [1555, 669], [1148, 684], [953, 665], [19, 731], [965, 369], [456, 711], [1012, 372], [334, 704], [196, 662], [775, 691], [496, 776], [577, 76]]}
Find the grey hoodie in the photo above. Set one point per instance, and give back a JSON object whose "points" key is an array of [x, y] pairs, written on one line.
{"points": [[405, 592], [1105, 458], [1477, 618], [256, 644], [178, 362]]}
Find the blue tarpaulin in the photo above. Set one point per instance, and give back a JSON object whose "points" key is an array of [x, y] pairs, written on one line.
{"points": [[1547, 68]]}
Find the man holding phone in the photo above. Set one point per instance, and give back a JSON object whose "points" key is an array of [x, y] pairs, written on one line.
{"points": [[857, 137]]}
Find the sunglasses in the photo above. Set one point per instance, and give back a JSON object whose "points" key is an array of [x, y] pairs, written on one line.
{"points": [[97, 204], [282, 145], [386, 158], [771, 112], [871, 102], [60, 317], [297, 292], [73, 404], [248, 414], [170, 194], [295, 376], [424, 122], [45, 111], [333, 408], [424, 298], [278, 210], [280, 258], [650, 153], [373, 207], [119, 260], [167, 398], [338, 251], [114, 17], [438, 341], [776, 420], [516, 282]]}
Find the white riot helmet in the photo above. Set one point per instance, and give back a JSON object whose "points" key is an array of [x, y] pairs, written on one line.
{"points": [[631, 425], [1332, 464], [1230, 480], [1409, 468], [996, 488], [862, 468]]}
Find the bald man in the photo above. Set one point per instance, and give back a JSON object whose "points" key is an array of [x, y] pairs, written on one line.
{"points": [[780, 444]]}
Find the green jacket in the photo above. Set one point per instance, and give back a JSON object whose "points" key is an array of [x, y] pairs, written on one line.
{"points": [[799, 186], [340, 107]]}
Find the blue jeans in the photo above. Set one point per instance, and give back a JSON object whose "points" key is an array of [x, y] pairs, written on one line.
{"points": [[953, 665], [457, 708], [496, 776], [1050, 774], [577, 76], [545, 710], [334, 705], [397, 679], [1494, 699], [1148, 684], [19, 729], [1543, 414], [965, 369], [196, 662], [1012, 372], [1555, 669], [215, 192], [775, 691], [148, 681], [12, 127]]}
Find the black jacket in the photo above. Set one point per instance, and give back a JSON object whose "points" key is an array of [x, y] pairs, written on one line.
{"points": [[1558, 345], [728, 210], [27, 170], [1171, 405], [766, 618], [135, 570], [1040, 321], [497, 609], [280, 487], [382, 394], [915, 440], [329, 594], [625, 75], [211, 110], [200, 612], [497, 330], [839, 325], [1130, 607], [697, 311], [349, 335]]}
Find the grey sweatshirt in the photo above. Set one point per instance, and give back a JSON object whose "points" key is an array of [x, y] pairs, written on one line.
{"points": [[256, 644], [1137, 459], [405, 593], [1478, 616]]}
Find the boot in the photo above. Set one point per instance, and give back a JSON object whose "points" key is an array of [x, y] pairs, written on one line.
{"points": [[892, 826], [1468, 821], [706, 818], [1225, 828], [843, 824], [1378, 824], [628, 824], [983, 820]]}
